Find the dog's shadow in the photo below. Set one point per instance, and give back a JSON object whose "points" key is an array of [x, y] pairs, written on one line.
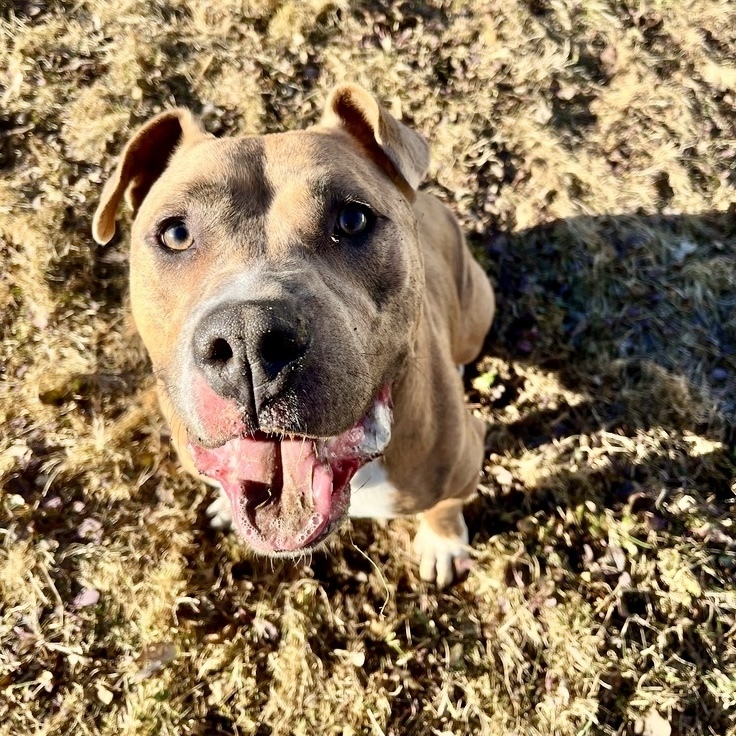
{"points": [[609, 380], [632, 318]]}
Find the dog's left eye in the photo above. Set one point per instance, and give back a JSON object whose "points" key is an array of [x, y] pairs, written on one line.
{"points": [[354, 219], [176, 236]]}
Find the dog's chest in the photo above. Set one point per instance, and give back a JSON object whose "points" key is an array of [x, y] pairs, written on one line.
{"points": [[372, 493]]}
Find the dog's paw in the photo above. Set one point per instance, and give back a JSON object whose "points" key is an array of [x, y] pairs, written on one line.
{"points": [[441, 558], [220, 513]]}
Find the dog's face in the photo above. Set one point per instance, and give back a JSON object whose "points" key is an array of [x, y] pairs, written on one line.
{"points": [[276, 283]]}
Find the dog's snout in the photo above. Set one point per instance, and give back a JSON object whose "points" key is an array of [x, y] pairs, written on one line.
{"points": [[244, 348]]}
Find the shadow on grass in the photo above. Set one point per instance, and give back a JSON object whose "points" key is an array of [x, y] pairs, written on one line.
{"points": [[634, 315]]}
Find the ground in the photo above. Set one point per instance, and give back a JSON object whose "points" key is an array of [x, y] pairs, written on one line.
{"points": [[589, 152]]}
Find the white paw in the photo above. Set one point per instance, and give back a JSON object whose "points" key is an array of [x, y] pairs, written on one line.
{"points": [[440, 558], [220, 512]]}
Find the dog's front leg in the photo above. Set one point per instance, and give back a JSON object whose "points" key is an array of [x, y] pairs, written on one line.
{"points": [[441, 543]]}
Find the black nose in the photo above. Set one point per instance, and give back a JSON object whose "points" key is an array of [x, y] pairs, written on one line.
{"points": [[244, 348]]}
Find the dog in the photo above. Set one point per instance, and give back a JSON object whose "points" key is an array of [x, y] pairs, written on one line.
{"points": [[306, 310]]}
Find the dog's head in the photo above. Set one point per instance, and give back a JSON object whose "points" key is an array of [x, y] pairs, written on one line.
{"points": [[277, 283]]}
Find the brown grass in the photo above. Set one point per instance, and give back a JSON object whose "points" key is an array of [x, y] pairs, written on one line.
{"points": [[589, 150]]}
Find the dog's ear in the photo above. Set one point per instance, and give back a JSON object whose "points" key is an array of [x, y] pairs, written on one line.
{"points": [[143, 160], [401, 152]]}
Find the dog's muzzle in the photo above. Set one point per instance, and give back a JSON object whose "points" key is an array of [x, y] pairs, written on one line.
{"points": [[289, 492]]}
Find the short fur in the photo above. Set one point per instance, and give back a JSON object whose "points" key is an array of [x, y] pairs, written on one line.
{"points": [[406, 309]]}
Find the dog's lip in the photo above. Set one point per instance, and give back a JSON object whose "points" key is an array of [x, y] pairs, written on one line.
{"points": [[289, 492]]}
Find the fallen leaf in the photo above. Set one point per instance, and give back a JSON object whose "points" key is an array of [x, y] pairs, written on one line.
{"points": [[566, 92], [154, 658], [90, 529], [653, 725], [16, 501], [46, 681], [503, 476], [683, 249], [87, 597], [103, 694], [265, 629], [482, 383], [357, 659], [609, 59]]}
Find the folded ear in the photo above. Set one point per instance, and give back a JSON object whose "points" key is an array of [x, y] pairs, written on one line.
{"points": [[397, 149], [142, 162]]}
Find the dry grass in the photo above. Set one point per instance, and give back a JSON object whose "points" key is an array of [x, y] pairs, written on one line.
{"points": [[589, 151]]}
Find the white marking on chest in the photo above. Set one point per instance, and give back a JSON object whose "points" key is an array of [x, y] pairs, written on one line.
{"points": [[373, 496]]}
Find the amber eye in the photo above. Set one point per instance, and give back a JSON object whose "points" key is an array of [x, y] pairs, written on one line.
{"points": [[354, 219], [176, 236]]}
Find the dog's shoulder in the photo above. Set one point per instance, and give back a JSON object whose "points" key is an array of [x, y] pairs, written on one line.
{"points": [[457, 288]]}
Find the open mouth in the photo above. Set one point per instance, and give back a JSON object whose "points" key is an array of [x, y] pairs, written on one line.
{"points": [[289, 492]]}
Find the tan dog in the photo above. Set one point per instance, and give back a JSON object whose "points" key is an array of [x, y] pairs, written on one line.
{"points": [[305, 310]]}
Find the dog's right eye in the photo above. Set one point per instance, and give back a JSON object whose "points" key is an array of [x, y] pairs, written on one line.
{"points": [[176, 236]]}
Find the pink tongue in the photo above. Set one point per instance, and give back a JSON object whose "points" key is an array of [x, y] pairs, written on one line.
{"points": [[281, 493]]}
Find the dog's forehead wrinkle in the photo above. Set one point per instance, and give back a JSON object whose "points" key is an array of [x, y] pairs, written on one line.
{"points": [[229, 194], [322, 163], [238, 188]]}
